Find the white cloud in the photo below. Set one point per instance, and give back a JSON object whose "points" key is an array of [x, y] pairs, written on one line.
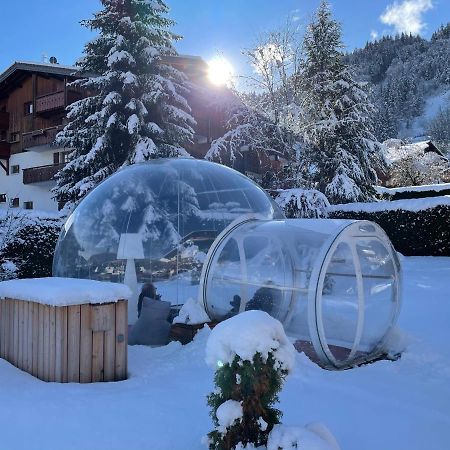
{"points": [[406, 17], [374, 35]]}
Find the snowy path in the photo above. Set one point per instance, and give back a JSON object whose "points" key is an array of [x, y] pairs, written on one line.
{"points": [[403, 405]]}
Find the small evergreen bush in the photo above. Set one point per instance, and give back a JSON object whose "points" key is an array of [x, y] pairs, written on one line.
{"points": [[258, 357]]}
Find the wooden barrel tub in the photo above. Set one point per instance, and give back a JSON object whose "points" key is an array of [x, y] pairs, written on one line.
{"points": [[65, 330]]}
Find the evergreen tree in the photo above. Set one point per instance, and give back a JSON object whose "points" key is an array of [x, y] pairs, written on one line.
{"points": [[137, 108], [343, 152]]}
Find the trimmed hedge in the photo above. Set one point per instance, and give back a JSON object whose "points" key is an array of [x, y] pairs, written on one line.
{"points": [[423, 232]]}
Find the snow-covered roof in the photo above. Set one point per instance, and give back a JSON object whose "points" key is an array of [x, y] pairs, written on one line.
{"points": [[63, 291], [396, 149], [29, 66]]}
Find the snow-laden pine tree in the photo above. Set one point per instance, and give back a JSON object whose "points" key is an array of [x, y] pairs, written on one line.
{"points": [[337, 130], [136, 109]]}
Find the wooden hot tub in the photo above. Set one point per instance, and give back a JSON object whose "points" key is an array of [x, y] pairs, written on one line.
{"points": [[65, 330]]}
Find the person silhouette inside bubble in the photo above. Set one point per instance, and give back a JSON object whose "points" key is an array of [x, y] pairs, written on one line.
{"points": [[264, 299], [235, 305]]}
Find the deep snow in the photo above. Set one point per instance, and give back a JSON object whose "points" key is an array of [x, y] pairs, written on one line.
{"points": [[402, 405]]}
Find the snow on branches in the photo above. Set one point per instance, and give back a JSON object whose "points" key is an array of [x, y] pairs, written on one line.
{"points": [[135, 109]]}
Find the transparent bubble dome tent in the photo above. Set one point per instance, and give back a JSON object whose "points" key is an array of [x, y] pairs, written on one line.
{"points": [[196, 229], [154, 222]]}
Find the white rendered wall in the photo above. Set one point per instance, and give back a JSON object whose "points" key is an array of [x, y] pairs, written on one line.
{"points": [[38, 193]]}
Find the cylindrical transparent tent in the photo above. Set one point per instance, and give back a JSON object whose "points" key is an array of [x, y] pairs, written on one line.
{"points": [[334, 284]]}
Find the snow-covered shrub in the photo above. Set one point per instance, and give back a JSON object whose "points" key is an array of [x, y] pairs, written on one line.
{"points": [[27, 243], [416, 227], [252, 357], [302, 203]]}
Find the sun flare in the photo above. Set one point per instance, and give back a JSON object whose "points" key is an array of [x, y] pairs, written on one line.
{"points": [[220, 71]]}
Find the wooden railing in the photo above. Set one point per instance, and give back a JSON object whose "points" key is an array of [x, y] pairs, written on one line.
{"points": [[56, 100], [50, 102], [39, 137], [4, 120], [41, 174], [5, 150]]}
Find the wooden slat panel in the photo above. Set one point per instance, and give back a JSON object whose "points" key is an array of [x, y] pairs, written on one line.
{"points": [[109, 356], [86, 345], [16, 333], [121, 340], [29, 344], [26, 309], [21, 335], [52, 343], [11, 332], [41, 344], [8, 333], [73, 348], [59, 343], [35, 339], [97, 356], [101, 319], [2, 328], [46, 343], [65, 346]]}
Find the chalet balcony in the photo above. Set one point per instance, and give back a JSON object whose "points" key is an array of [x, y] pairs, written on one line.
{"points": [[5, 150], [41, 174], [40, 137], [55, 101], [4, 120]]}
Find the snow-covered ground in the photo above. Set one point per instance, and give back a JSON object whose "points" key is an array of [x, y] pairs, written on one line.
{"points": [[402, 405]]}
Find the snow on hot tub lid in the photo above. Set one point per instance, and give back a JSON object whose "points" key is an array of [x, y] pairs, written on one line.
{"points": [[54, 291]]}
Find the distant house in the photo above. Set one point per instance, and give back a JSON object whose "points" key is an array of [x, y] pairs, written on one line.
{"points": [[413, 159], [398, 149]]}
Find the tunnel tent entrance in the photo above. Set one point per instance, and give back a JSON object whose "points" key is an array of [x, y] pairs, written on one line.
{"points": [[333, 284]]}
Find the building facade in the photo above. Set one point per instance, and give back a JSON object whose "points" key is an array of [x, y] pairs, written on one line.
{"points": [[33, 100]]}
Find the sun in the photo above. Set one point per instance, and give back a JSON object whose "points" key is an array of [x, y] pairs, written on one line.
{"points": [[220, 71]]}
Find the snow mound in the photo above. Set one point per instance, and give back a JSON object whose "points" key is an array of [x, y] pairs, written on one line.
{"points": [[312, 437], [63, 291], [192, 312], [247, 334], [227, 413]]}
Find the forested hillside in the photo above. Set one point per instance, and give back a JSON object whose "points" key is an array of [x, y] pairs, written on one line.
{"points": [[410, 77]]}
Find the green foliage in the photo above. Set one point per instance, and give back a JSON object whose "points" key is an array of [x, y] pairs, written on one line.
{"points": [[256, 385], [413, 233]]}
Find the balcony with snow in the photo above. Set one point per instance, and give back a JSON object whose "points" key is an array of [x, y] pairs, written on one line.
{"points": [[210, 240]]}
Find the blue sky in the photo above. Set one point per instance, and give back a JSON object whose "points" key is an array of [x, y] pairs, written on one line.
{"points": [[51, 27]]}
